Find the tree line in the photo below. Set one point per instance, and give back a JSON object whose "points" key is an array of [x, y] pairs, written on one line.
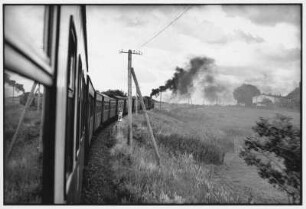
{"points": [[16, 86], [244, 95]]}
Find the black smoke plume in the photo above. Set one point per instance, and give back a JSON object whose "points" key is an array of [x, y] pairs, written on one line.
{"points": [[182, 82]]}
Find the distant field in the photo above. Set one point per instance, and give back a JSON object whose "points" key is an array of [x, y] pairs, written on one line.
{"points": [[231, 125], [199, 147]]}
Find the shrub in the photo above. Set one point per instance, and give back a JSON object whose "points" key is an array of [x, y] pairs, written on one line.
{"points": [[201, 151], [275, 150]]}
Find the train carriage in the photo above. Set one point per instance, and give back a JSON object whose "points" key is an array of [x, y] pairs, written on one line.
{"points": [[147, 100], [133, 104], [61, 66], [105, 108], [98, 110], [91, 110], [125, 107], [71, 60], [121, 104], [112, 109]]}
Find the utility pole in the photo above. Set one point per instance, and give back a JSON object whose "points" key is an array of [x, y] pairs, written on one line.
{"points": [[136, 102], [130, 52], [38, 98]]}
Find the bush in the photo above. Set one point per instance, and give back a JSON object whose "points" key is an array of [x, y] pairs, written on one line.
{"points": [[275, 150], [201, 151]]}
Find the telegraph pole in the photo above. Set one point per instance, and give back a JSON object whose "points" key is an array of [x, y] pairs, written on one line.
{"points": [[130, 52], [136, 102]]}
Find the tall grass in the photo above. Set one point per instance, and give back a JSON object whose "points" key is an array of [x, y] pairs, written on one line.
{"points": [[186, 174], [23, 170], [193, 143]]}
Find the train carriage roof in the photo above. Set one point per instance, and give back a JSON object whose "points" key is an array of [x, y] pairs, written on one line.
{"points": [[120, 97], [106, 98], [99, 96]]}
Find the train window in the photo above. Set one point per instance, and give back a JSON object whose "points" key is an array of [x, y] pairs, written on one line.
{"points": [[69, 146], [98, 106], [27, 21], [83, 103], [72, 61], [22, 139], [92, 106], [27, 41], [106, 105], [79, 103]]}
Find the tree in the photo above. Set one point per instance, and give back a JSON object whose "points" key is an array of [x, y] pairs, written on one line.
{"points": [[295, 97], [16, 86], [19, 87], [244, 94], [276, 152], [116, 92]]}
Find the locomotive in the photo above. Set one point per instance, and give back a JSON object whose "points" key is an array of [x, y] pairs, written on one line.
{"points": [[72, 109]]}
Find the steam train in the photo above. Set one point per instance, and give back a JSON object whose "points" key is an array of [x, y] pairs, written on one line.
{"points": [[72, 109]]}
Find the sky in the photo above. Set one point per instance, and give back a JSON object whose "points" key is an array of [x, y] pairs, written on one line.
{"points": [[254, 44]]}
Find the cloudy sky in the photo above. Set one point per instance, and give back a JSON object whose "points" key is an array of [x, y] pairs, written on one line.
{"points": [[253, 44]]}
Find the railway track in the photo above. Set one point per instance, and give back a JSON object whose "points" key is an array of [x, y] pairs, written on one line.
{"points": [[99, 184]]}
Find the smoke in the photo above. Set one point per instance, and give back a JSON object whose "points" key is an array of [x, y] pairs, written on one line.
{"points": [[199, 73]]}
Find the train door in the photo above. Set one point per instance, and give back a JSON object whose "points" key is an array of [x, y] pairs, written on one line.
{"points": [[79, 136], [73, 132], [69, 139]]}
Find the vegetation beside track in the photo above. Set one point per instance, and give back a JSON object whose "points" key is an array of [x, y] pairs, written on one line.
{"points": [[199, 158]]}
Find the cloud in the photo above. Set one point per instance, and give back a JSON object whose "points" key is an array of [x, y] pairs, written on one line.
{"points": [[243, 47], [247, 37], [280, 55], [205, 31], [268, 15]]}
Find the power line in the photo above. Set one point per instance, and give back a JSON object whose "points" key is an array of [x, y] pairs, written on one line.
{"points": [[162, 30]]}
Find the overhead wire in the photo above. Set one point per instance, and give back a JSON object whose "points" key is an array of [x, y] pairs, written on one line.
{"points": [[167, 26]]}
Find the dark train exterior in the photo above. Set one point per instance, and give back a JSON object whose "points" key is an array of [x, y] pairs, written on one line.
{"points": [[73, 109]]}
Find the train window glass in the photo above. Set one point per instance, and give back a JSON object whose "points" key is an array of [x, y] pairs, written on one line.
{"points": [[69, 146], [83, 102], [27, 23], [79, 103], [106, 105], [22, 139], [72, 60]]}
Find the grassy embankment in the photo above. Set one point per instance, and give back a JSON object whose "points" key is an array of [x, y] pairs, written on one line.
{"points": [[192, 142], [23, 171]]}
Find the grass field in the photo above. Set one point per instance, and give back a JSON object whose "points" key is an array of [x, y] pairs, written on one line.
{"points": [[23, 169], [199, 148]]}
